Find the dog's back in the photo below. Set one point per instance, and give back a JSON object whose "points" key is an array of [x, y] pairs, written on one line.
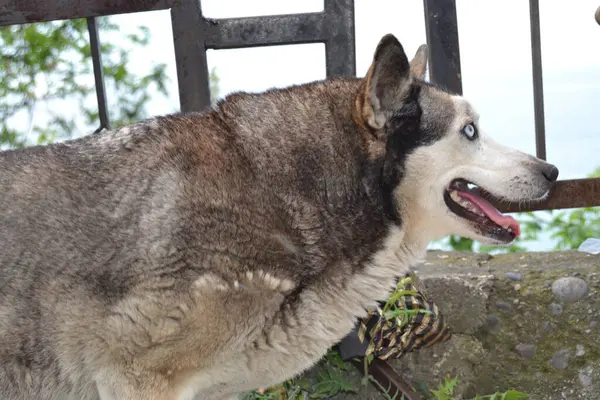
{"points": [[90, 224]]}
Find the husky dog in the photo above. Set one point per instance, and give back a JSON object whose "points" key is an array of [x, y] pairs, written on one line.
{"points": [[198, 256]]}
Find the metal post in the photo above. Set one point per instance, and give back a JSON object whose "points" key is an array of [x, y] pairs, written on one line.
{"points": [[189, 32], [98, 73], [340, 49], [538, 79], [442, 39]]}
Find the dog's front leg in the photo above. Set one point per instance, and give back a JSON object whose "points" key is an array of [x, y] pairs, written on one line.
{"points": [[115, 386]]}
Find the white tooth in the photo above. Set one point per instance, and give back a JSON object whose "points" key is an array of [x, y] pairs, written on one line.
{"points": [[505, 226], [475, 210], [454, 195], [509, 229]]}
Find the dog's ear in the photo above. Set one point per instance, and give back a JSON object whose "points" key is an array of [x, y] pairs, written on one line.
{"points": [[386, 84], [418, 65]]}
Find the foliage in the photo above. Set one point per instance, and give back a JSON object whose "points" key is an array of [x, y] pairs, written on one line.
{"points": [[446, 389], [567, 228], [46, 64], [329, 381], [446, 392], [400, 315]]}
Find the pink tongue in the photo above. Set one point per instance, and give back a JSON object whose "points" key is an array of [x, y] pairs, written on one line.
{"points": [[491, 212]]}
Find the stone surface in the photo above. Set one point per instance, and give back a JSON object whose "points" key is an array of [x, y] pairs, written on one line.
{"points": [[569, 289], [492, 322], [555, 309], [504, 306], [585, 376], [514, 276], [491, 328], [462, 355], [525, 350], [560, 360]]}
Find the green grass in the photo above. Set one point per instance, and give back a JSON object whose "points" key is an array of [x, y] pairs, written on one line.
{"points": [[446, 392]]}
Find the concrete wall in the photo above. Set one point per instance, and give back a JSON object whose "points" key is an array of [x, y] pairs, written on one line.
{"points": [[526, 321]]}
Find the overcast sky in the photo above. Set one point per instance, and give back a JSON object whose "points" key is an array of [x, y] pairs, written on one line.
{"points": [[495, 57]]}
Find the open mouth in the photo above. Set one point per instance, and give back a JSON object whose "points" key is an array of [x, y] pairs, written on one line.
{"points": [[464, 199]]}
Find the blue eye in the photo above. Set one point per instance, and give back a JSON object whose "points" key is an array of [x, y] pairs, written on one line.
{"points": [[469, 131]]}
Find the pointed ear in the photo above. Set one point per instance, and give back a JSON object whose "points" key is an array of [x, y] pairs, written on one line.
{"points": [[386, 83], [418, 64]]}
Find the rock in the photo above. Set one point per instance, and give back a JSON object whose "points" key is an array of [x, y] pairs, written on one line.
{"points": [[585, 376], [560, 359], [593, 324], [514, 276], [462, 299], [525, 350], [546, 326], [555, 309], [579, 350], [504, 306], [569, 289], [491, 322]]}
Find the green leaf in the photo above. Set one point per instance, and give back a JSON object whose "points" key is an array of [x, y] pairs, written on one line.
{"points": [[50, 62], [514, 395]]}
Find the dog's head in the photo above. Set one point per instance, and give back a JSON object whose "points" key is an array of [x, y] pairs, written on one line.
{"points": [[435, 156]]}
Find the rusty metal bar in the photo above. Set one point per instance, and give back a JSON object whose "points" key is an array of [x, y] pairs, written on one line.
{"points": [[390, 382], [573, 193], [14, 12], [538, 79], [442, 39], [98, 73]]}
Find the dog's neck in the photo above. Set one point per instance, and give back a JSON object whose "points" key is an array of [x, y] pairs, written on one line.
{"points": [[419, 230]]}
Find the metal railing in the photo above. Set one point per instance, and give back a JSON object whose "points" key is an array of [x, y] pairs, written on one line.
{"points": [[334, 26], [194, 34]]}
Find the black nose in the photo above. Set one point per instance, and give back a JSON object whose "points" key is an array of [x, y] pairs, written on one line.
{"points": [[550, 172]]}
